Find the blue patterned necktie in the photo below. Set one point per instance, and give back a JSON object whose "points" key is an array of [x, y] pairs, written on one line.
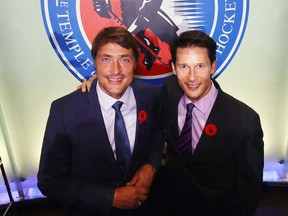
{"points": [[123, 152], [185, 138]]}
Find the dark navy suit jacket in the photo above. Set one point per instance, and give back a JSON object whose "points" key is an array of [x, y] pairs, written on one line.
{"points": [[224, 175], [77, 166]]}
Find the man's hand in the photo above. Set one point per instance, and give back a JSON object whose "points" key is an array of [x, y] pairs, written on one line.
{"points": [[86, 84], [136, 191], [129, 197], [143, 177]]}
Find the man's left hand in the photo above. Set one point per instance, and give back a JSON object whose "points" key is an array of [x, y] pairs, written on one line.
{"points": [[144, 176]]}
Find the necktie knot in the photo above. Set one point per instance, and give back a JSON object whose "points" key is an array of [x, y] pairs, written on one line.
{"points": [[117, 105], [190, 107]]}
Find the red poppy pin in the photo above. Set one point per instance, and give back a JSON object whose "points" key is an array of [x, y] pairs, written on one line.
{"points": [[142, 116], [210, 130]]}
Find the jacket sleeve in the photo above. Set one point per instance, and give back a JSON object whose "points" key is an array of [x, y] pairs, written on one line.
{"points": [[250, 161]]}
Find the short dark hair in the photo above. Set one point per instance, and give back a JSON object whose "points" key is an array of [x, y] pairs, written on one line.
{"points": [[193, 38], [118, 35]]}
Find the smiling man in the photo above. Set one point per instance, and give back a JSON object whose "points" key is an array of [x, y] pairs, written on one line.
{"points": [[215, 154], [99, 153]]}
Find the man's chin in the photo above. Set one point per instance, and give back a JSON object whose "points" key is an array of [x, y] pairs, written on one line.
{"points": [[116, 92]]}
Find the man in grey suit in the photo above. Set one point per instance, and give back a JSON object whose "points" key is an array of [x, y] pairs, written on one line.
{"points": [[79, 165]]}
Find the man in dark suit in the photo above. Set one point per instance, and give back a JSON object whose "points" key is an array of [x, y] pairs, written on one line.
{"points": [[80, 160], [222, 172]]}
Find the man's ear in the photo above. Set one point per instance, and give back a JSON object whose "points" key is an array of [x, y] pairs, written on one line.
{"points": [[173, 68], [213, 67]]}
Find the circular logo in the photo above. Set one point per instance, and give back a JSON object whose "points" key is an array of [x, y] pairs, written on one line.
{"points": [[72, 25]]}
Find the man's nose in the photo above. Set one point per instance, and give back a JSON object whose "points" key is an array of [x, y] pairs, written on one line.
{"points": [[192, 74], [116, 66]]}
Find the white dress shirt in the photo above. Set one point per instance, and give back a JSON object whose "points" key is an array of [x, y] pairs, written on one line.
{"points": [[128, 110]]}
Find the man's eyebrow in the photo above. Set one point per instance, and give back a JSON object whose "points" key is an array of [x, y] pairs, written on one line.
{"points": [[121, 56], [104, 54], [127, 55]]}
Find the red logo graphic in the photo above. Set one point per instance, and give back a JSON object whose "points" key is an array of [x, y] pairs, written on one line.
{"points": [[143, 22]]}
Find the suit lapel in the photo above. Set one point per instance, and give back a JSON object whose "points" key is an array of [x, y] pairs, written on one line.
{"points": [[172, 96], [173, 116], [140, 102], [101, 133], [96, 111], [215, 120]]}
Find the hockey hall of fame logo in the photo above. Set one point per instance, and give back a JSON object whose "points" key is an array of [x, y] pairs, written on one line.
{"points": [[71, 26]]}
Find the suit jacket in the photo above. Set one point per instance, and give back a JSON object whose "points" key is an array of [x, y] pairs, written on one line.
{"points": [[224, 175], [77, 166]]}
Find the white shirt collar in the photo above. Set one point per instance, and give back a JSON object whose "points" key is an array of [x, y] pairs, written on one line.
{"points": [[106, 101]]}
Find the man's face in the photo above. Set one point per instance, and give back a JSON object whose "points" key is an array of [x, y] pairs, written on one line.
{"points": [[193, 70], [114, 68]]}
